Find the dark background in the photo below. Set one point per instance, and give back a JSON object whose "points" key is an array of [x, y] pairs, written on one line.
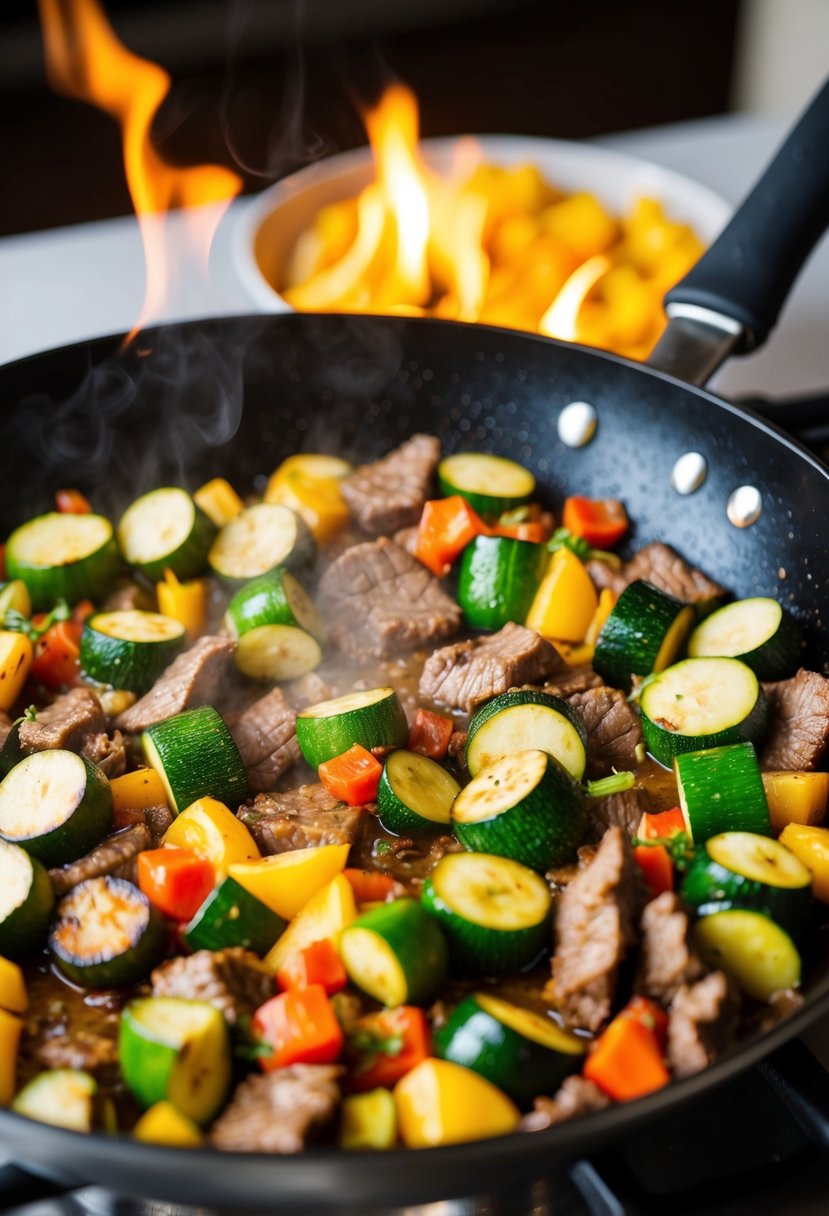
{"points": [[267, 85]]}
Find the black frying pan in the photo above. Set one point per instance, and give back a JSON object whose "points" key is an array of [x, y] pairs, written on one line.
{"points": [[234, 397]]}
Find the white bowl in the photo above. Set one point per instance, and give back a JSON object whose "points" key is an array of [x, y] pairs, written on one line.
{"points": [[269, 226]]}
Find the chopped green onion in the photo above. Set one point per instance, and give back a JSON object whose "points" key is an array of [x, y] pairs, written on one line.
{"points": [[563, 538], [616, 783]]}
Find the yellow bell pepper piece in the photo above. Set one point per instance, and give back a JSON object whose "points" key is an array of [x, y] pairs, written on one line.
{"points": [[310, 485], [565, 601], [184, 602], [137, 790], [219, 501], [583, 653], [15, 661], [15, 597], [324, 916], [796, 798], [163, 1124], [369, 1121], [286, 881], [13, 995], [11, 1029], [211, 830], [811, 846], [443, 1103]]}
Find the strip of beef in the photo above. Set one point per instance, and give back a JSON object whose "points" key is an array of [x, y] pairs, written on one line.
{"points": [[67, 723], [595, 928], [571, 680], [156, 819], [613, 730], [265, 735], [381, 601], [389, 494], [622, 810], [86, 1050], [576, 1096], [278, 1112], [467, 673], [666, 958], [406, 538], [234, 981], [194, 678], [799, 722], [662, 566], [108, 752], [702, 1023], [127, 596], [302, 818], [107, 857]]}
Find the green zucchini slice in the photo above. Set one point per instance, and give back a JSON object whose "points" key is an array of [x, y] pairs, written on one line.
{"points": [[231, 916], [165, 530], [372, 718], [701, 703], [258, 540], [528, 718], [277, 652], [749, 946], [493, 911], [129, 648], [64, 1097], [520, 1051], [106, 933], [643, 633], [525, 806], [396, 953], [721, 790], [70, 557], [195, 756], [56, 805], [177, 1051], [498, 578], [757, 631], [415, 794], [490, 484], [26, 902], [277, 598]]}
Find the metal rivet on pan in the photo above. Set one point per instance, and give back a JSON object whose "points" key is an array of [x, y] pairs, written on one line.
{"points": [[745, 505], [689, 472], [577, 424]]}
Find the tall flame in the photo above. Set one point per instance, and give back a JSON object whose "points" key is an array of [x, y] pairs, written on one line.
{"points": [[86, 61]]}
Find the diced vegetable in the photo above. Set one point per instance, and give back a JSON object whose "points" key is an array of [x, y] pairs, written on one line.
{"points": [[396, 953], [63, 557], [626, 1061], [165, 530], [796, 798], [15, 663], [163, 1124], [138, 790], [56, 805], [498, 579], [439, 1103], [195, 757], [286, 882], [415, 794], [310, 485], [277, 627], [211, 830], [11, 1029], [353, 777], [369, 886], [318, 963], [721, 790], [183, 602], [757, 631], [14, 597], [811, 846], [258, 540], [231, 916], [72, 502], [368, 1121], [654, 861], [129, 649], [526, 718], [384, 1046], [106, 933], [219, 501], [13, 996], [446, 527], [64, 1097], [643, 633], [565, 601], [57, 656], [325, 915], [748, 945], [300, 1027], [661, 826], [175, 881], [26, 902], [373, 718], [430, 734], [602, 522], [650, 1015], [491, 484]]}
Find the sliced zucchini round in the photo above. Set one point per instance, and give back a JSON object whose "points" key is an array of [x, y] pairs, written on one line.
{"points": [[493, 911], [527, 718], [195, 757], [165, 530], [26, 902], [721, 790], [64, 1097], [525, 806], [520, 1051], [701, 703], [277, 652], [415, 794], [498, 578], [749, 946], [372, 718], [56, 805], [396, 953], [490, 484], [258, 540], [106, 933], [129, 648], [643, 633], [70, 557], [277, 598], [231, 916], [757, 631]]}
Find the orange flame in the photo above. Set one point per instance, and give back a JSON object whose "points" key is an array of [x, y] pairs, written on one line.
{"points": [[562, 317], [86, 61]]}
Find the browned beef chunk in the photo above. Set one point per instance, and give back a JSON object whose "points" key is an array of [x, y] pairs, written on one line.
{"points": [[410, 861], [308, 690], [108, 752], [660, 565], [66, 723], [571, 680], [266, 737], [278, 1112], [457, 747], [125, 597], [406, 538], [193, 679], [389, 494], [799, 722], [302, 818], [86, 1050], [234, 981], [613, 730], [107, 857], [666, 957], [595, 927], [380, 601], [577, 1096], [620, 810], [468, 673], [158, 819], [702, 1023]]}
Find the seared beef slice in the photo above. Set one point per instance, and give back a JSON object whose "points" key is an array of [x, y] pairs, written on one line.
{"points": [[232, 980], [702, 1023], [468, 673], [613, 730], [660, 565], [799, 722], [278, 1112], [265, 735], [193, 679], [577, 1096], [381, 601], [666, 959], [300, 819], [110, 855], [66, 723], [389, 494], [622, 810]]}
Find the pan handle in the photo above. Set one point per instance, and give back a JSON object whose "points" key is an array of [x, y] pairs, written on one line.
{"points": [[730, 300]]}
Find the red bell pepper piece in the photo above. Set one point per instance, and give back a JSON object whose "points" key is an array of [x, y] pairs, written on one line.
{"points": [[176, 881], [82, 610], [652, 1016], [534, 530], [369, 886], [446, 527], [657, 868], [601, 521], [72, 502], [300, 1027], [352, 777], [316, 964], [57, 654], [385, 1046], [662, 826], [626, 1060], [430, 734]]}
